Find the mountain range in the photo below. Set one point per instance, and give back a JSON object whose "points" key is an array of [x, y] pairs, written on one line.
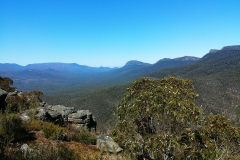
{"points": [[216, 77], [49, 77]]}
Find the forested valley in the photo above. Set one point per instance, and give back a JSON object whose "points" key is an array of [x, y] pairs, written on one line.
{"points": [[183, 108]]}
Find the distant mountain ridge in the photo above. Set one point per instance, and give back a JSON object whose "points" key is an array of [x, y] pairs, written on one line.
{"points": [[216, 78], [232, 48], [48, 77], [134, 62], [53, 66]]}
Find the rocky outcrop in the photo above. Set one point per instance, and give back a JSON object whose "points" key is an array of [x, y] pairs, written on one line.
{"points": [[3, 95], [25, 116], [28, 152], [106, 143], [213, 50], [229, 48], [64, 111], [45, 114], [83, 117], [235, 47], [59, 114]]}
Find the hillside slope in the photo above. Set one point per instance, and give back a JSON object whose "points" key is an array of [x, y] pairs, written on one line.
{"points": [[217, 81], [216, 78]]}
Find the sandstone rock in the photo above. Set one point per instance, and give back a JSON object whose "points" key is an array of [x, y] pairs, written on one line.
{"points": [[61, 114], [15, 93], [234, 47], [27, 151], [25, 116], [106, 143], [47, 115], [83, 117], [3, 95], [25, 148], [64, 111]]}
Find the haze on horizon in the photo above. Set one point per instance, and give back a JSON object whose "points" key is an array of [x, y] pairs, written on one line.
{"points": [[110, 33]]}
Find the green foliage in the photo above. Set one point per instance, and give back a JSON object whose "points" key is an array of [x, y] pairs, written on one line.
{"points": [[16, 104], [84, 137], [27, 100], [11, 127], [53, 131], [216, 78], [157, 119], [153, 110], [11, 130], [218, 132], [5, 84]]}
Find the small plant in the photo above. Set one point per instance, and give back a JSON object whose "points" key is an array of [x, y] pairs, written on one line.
{"points": [[11, 127], [53, 131], [33, 125], [85, 137]]}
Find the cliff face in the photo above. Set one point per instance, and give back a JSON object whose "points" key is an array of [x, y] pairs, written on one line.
{"points": [[235, 47]]}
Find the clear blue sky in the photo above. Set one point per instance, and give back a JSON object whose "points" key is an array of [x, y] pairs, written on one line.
{"points": [[112, 32]]}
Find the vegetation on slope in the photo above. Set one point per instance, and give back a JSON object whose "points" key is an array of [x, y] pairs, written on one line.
{"points": [[216, 78], [157, 119], [46, 140]]}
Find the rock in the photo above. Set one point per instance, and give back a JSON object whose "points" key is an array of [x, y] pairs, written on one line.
{"points": [[47, 115], [3, 95], [234, 47], [15, 93], [60, 114], [83, 117], [64, 111], [25, 116], [106, 143], [26, 148], [27, 151], [43, 104], [213, 51]]}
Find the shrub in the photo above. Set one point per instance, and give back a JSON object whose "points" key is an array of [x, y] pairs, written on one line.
{"points": [[53, 131], [153, 114], [85, 137], [11, 127], [33, 125]]}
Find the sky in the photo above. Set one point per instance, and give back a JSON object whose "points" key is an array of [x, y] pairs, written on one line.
{"points": [[111, 32]]}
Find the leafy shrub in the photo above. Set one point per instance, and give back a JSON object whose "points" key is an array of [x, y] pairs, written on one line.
{"points": [[157, 119], [85, 137], [53, 131], [33, 125], [151, 112], [11, 127], [16, 104], [5, 84]]}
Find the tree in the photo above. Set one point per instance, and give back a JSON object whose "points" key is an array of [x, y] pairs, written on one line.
{"points": [[157, 119], [154, 114], [5, 84]]}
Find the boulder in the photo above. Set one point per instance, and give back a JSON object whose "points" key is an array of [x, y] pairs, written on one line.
{"points": [[27, 151], [48, 115], [25, 116], [64, 111], [61, 114], [83, 117], [106, 143], [3, 95], [25, 148], [15, 93]]}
